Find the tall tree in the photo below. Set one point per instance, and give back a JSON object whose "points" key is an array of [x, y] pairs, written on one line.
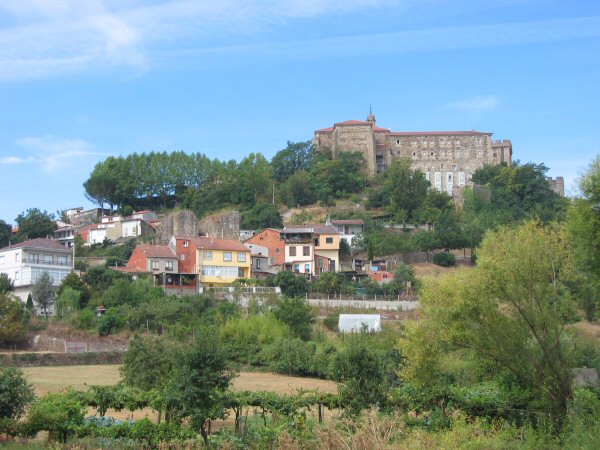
{"points": [[508, 312], [34, 223], [5, 233], [202, 376], [298, 190], [296, 156], [15, 393], [6, 284], [13, 320], [44, 292], [583, 224]]}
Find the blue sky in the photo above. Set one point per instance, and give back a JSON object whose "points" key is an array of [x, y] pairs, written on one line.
{"points": [[82, 80]]}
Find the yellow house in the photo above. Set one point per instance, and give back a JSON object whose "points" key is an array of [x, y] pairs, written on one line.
{"points": [[219, 262], [327, 248]]}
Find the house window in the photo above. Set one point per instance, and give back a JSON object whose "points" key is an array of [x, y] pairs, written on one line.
{"points": [[241, 272], [182, 257], [47, 259], [306, 250], [17, 257], [258, 263], [168, 265], [154, 265], [241, 257], [17, 275], [208, 256], [62, 260], [277, 251], [186, 243], [329, 240], [307, 268], [292, 251], [297, 268], [226, 256], [34, 258]]}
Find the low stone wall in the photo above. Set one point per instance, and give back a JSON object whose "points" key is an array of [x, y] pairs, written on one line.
{"points": [[59, 359]]}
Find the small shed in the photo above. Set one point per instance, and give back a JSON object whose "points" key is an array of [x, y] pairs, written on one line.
{"points": [[356, 323]]}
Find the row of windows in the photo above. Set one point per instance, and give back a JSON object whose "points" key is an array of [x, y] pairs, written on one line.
{"points": [[440, 142], [223, 271], [305, 250], [155, 265], [227, 256]]}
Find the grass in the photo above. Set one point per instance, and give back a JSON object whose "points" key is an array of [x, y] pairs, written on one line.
{"points": [[55, 379]]}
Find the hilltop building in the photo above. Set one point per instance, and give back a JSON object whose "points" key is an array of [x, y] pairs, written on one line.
{"points": [[448, 158]]}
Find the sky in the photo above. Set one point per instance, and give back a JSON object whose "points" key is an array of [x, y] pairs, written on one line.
{"points": [[81, 80]]}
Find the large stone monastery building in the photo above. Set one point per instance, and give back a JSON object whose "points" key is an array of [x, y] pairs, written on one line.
{"points": [[448, 158]]}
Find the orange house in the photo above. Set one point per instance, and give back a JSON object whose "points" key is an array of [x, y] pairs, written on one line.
{"points": [[271, 240]]}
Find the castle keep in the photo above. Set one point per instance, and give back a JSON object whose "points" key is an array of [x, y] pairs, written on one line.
{"points": [[448, 158]]}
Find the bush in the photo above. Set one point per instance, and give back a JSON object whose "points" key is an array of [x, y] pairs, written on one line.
{"points": [[59, 414], [444, 259], [290, 356], [331, 322], [15, 393], [106, 324]]}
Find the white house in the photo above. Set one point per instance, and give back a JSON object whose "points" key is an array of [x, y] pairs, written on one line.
{"points": [[349, 229], [24, 263]]}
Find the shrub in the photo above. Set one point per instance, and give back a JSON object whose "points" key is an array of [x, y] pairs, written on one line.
{"points": [[444, 259], [59, 414]]}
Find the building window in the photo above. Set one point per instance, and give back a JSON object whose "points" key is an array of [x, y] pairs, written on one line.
{"points": [[297, 268], [277, 251], [182, 257], [17, 275], [306, 250], [292, 251], [307, 268], [168, 265], [154, 265], [34, 258], [17, 257], [208, 256], [47, 259], [241, 257], [329, 240], [227, 256], [241, 272], [186, 244]]}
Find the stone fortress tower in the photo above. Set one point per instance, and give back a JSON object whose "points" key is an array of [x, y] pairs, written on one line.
{"points": [[448, 158]]}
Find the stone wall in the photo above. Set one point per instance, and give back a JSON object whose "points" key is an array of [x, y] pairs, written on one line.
{"points": [[222, 225], [178, 223]]}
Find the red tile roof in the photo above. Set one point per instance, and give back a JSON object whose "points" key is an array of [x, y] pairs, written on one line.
{"points": [[210, 243], [325, 130], [157, 251], [353, 122], [42, 244], [440, 133], [348, 222]]}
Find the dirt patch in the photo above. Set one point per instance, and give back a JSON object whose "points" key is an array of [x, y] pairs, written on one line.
{"points": [[590, 330], [55, 379]]}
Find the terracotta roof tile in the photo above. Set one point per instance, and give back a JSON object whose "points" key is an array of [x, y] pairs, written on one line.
{"points": [[157, 251], [210, 243]]}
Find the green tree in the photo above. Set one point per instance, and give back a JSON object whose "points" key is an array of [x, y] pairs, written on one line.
{"points": [[6, 284], [297, 156], [262, 215], [13, 320], [583, 224], [297, 314], [203, 375], [34, 223], [508, 312], [298, 190], [59, 414], [44, 292], [68, 302], [328, 283], [5, 233], [15, 393], [336, 178], [291, 285], [74, 281], [361, 374], [149, 362], [254, 178]]}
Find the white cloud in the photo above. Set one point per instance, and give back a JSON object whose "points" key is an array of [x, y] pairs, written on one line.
{"points": [[52, 154], [476, 104], [48, 38]]}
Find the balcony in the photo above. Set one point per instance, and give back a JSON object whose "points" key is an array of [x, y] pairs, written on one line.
{"points": [[47, 263]]}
